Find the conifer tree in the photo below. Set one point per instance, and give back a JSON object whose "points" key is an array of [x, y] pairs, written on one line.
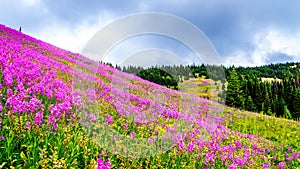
{"points": [[249, 104], [296, 104], [286, 111], [234, 93]]}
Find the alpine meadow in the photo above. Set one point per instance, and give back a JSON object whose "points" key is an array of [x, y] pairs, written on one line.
{"points": [[62, 110]]}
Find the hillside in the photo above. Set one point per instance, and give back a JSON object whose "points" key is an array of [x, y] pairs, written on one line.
{"points": [[62, 110], [255, 89]]}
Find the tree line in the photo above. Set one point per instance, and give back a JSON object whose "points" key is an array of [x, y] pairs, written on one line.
{"points": [[245, 88], [279, 97]]}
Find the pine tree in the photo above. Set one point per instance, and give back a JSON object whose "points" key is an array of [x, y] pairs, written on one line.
{"points": [[287, 88], [257, 97], [281, 107], [269, 112], [297, 79], [267, 99], [275, 105], [249, 104], [296, 104], [286, 111], [234, 94]]}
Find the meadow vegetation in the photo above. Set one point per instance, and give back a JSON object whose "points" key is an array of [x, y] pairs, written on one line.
{"points": [[62, 110]]}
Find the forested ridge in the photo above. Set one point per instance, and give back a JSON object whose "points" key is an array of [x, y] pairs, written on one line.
{"points": [[245, 86], [279, 97]]}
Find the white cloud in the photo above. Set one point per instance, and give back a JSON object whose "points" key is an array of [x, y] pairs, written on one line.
{"points": [[238, 20], [73, 38], [241, 58], [275, 41], [69, 39], [30, 2], [265, 44]]}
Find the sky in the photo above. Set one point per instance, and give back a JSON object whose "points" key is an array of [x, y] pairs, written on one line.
{"points": [[243, 33]]}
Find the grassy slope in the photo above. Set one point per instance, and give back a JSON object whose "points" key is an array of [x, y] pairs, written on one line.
{"points": [[247, 122], [28, 144]]}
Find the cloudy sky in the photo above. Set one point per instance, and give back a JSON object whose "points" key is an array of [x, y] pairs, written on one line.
{"points": [[243, 33]]}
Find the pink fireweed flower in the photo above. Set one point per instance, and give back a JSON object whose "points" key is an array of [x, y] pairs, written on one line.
{"points": [[55, 126], [190, 147], [1, 137], [223, 158], [125, 126], [167, 129], [28, 124], [137, 121], [181, 144], [247, 154], [1, 107], [38, 118], [109, 119], [240, 161], [230, 156], [210, 157], [289, 159], [51, 119], [232, 166], [238, 144], [8, 79], [267, 165], [132, 134], [9, 92], [281, 164], [92, 117], [294, 155], [85, 114], [108, 98], [101, 164]]}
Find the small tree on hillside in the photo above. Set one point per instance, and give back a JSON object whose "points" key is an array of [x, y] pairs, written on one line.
{"points": [[234, 93], [286, 111], [249, 104]]}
